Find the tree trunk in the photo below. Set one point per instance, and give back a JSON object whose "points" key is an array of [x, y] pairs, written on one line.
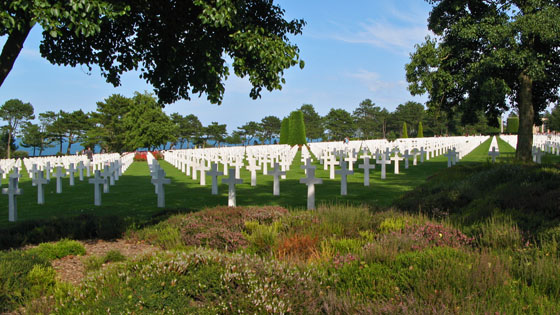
{"points": [[9, 142], [11, 50], [526, 117], [70, 143]]}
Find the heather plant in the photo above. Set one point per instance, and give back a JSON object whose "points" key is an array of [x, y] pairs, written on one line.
{"points": [[343, 220], [261, 237], [164, 234], [297, 247], [200, 281], [499, 232], [93, 263]]}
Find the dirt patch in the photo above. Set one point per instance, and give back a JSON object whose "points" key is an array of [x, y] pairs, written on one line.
{"points": [[72, 269]]}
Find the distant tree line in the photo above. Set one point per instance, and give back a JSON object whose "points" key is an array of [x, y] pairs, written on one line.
{"points": [[123, 124]]}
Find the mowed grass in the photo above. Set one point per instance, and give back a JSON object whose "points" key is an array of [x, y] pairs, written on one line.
{"points": [[133, 197]]}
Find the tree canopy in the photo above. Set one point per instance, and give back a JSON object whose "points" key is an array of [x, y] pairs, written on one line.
{"points": [[15, 112], [489, 56], [179, 47]]}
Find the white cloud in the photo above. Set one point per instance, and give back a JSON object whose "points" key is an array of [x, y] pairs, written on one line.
{"points": [[374, 83], [383, 34]]}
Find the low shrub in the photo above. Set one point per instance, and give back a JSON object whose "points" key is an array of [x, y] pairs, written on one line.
{"points": [[342, 220], [19, 154], [222, 227], [261, 237], [95, 262], [51, 251], [499, 232], [297, 247], [16, 281]]}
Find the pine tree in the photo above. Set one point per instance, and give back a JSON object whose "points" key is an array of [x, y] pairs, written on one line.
{"points": [[297, 129], [420, 130], [285, 131], [404, 132]]}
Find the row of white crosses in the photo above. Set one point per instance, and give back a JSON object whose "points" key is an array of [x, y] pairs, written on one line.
{"points": [[542, 144], [158, 179], [273, 160], [39, 179]]}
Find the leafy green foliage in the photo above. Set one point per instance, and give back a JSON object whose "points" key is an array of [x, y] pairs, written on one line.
{"points": [[63, 248], [512, 125], [270, 127], [487, 56], [146, 124], [420, 130], [285, 131], [404, 133], [297, 129], [250, 131], [554, 119], [180, 48], [314, 128], [15, 266], [15, 112], [340, 124]]}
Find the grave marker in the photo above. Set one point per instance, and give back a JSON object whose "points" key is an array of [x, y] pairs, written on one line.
{"points": [[159, 181], [231, 181], [311, 181], [96, 181], [39, 181], [344, 172], [214, 173], [276, 172], [12, 191]]}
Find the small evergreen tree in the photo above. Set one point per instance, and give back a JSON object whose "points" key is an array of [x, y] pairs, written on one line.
{"points": [[512, 125], [285, 131], [420, 130], [404, 132], [297, 129]]}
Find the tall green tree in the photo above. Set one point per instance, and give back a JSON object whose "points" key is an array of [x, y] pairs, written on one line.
{"points": [[45, 120], [297, 129], [369, 119], [270, 126], [339, 124], [249, 131], [109, 129], [489, 55], [76, 124], [404, 133], [32, 137], [179, 47], [57, 128], [285, 131], [420, 130], [411, 113], [314, 125], [554, 119], [15, 112], [216, 132], [146, 124]]}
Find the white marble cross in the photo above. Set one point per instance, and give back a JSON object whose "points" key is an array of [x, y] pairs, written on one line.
{"points": [[384, 162], [238, 165], [253, 168], [214, 173], [231, 181], [106, 175], [265, 161], [311, 181], [159, 181], [48, 170], [12, 191], [96, 181], [39, 181], [351, 159], [59, 175], [344, 172], [80, 170], [276, 172], [332, 162], [203, 169], [71, 171], [406, 156], [285, 164], [396, 158], [450, 156], [537, 155], [422, 153], [366, 167], [494, 154], [415, 154], [33, 173]]}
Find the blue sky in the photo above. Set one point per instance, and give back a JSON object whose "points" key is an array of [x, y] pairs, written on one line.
{"points": [[352, 50]]}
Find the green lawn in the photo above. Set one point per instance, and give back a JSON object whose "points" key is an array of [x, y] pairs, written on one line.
{"points": [[133, 195]]}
